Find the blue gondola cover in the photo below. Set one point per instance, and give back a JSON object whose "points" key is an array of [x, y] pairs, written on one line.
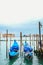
{"points": [[14, 50], [15, 46], [13, 53], [27, 47]]}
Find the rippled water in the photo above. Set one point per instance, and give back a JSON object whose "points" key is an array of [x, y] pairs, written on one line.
{"points": [[17, 61]]}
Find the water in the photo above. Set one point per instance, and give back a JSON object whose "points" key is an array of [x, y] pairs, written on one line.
{"points": [[17, 61]]}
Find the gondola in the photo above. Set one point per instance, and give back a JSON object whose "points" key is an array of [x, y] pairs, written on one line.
{"points": [[28, 51], [14, 50]]}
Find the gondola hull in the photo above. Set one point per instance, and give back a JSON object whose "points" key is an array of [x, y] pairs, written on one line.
{"points": [[28, 56], [13, 55]]}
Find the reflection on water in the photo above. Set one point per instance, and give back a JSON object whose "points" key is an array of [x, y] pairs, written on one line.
{"points": [[11, 61], [28, 62], [17, 61], [40, 61]]}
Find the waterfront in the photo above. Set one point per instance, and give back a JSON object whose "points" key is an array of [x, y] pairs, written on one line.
{"points": [[19, 61]]}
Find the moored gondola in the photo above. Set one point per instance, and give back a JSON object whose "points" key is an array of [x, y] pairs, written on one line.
{"points": [[28, 51], [14, 50]]}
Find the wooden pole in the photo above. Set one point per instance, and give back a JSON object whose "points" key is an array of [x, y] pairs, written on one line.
{"points": [[34, 42], [0, 39], [37, 44], [42, 38], [10, 41], [20, 43], [40, 33], [30, 39], [7, 43]]}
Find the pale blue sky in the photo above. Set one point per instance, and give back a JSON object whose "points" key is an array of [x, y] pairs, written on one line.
{"points": [[20, 15], [25, 28]]}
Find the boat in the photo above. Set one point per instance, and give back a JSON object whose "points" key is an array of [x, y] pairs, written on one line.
{"points": [[12, 60], [14, 50], [28, 51]]}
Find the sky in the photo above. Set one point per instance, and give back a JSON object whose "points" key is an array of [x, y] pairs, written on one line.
{"points": [[21, 15]]}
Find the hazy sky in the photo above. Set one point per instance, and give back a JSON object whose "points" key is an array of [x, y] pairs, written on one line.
{"points": [[21, 15], [14, 12]]}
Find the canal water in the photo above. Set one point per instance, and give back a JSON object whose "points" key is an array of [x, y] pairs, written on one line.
{"points": [[18, 61]]}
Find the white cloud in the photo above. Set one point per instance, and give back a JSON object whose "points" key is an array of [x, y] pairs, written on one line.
{"points": [[18, 11]]}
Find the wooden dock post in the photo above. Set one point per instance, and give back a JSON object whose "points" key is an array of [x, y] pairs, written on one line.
{"points": [[30, 39], [20, 43], [7, 43], [0, 39], [10, 41], [40, 25], [37, 43], [34, 41], [42, 40]]}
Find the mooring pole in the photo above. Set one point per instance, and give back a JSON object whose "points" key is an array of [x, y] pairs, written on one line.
{"points": [[10, 41], [40, 34], [42, 37], [20, 43], [0, 39], [30, 39], [6, 43], [37, 45], [34, 42]]}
